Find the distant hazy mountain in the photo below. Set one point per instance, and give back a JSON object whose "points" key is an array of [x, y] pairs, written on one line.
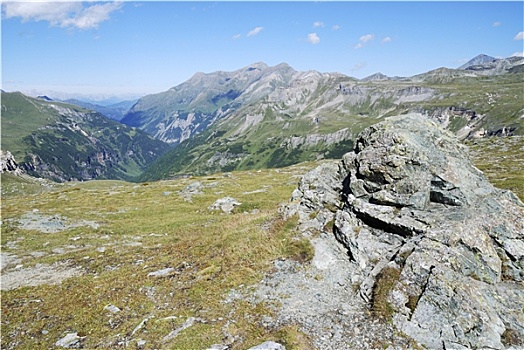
{"points": [[376, 77], [114, 111], [63, 142], [261, 116], [480, 59]]}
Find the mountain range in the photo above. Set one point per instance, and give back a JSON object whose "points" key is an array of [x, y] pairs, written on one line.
{"points": [[63, 142], [256, 117], [261, 116]]}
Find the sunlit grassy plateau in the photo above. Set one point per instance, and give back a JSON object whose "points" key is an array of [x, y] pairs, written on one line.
{"points": [[147, 227]]}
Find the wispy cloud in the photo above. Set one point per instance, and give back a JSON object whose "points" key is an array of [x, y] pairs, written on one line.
{"points": [[335, 27], [237, 36], [318, 24], [387, 39], [359, 66], [313, 38], [364, 39], [497, 24], [61, 14], [519, 36], [255, 31]]}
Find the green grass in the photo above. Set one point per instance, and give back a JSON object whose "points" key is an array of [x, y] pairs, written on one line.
{"points": [[146, 228], [501, 159]]}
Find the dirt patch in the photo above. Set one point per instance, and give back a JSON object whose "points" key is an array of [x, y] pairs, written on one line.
{"points": [[50, 223], [35, 275]]}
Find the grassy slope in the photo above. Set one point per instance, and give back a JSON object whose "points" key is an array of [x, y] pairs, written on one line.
{"points": [[145, 228], [32, 126], [498, 97], [501, 160]]}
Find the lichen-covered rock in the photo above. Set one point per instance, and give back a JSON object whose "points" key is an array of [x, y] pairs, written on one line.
{"points": [[413, 203]]}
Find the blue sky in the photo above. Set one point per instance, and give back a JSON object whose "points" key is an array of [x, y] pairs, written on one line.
{"points": [[122, 48]]}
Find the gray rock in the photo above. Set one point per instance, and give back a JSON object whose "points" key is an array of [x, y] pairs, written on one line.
{"points": [[161, 273], [8, 163], [194, 188], [414, 207], [71, 340], [226, 204], [268, 345], [112, 308]]}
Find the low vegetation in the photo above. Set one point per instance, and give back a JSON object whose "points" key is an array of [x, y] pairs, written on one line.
{"points": [[501, 159], [144, 229]]}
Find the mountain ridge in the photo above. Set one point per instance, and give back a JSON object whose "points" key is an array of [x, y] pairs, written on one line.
{"points": [[64, 142], [253, 117]]}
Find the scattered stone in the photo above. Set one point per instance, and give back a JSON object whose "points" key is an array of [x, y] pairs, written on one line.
{"points": [[71, 341], [174, 333], [112, 308], [194, 188], [140, 325], [226, 204], [269, 345], [218, 347], [161, 273]]}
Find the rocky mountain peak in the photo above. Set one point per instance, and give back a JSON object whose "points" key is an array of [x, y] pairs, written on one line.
{"points": [[376, 77], [431, 240], [479, 59]]}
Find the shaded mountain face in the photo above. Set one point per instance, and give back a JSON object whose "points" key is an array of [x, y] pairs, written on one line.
{"points": [[262, 116], [64, 142]]}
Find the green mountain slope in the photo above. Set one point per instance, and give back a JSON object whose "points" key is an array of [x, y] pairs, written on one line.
{"points": [[311, 115], [65, 142]]}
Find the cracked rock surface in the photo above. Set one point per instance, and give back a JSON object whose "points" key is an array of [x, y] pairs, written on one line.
{"points": [[407, 203]]}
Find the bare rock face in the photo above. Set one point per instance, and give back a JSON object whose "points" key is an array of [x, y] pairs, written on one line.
{"points": [[425, 226], [8, 163]]}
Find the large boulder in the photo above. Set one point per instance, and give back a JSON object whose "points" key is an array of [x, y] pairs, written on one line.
{"points": [[436, 245]]}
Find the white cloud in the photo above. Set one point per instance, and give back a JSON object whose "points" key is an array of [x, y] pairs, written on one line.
{"points": [[237, 36], [255, 31], [497, 24], [518, 54], [61, 14], [91, 16], [387, 39], [313, 38], [335, 27], [359, 66], [364, 39], [519, 36], [318, 24]]}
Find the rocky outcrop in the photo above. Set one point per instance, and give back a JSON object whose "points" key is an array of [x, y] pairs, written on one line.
{"points": [[309, 140], [8, 163], [436, 247]]}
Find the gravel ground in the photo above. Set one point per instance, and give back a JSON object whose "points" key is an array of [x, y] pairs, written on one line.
{"points": [[320, 298]]}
